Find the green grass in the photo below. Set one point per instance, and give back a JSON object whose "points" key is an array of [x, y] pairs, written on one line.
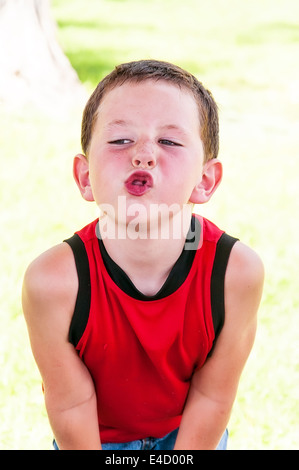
{"points": [[245, 52]]}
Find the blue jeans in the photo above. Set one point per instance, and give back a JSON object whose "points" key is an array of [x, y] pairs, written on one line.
{"points": [[152, 443]]}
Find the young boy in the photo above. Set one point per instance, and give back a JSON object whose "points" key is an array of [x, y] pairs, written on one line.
{"points": [[141, 323]]}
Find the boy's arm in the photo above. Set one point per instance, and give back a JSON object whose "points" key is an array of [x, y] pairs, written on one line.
{"points": [[214, 387], [49, 295]]}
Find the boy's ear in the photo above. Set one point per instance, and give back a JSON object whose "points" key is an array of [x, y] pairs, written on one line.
{"points": [[211, 178], [81, 176]]}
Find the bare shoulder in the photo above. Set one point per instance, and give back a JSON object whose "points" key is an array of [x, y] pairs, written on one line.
{"points": [[244, 282], [50, 286], [245, 270], [52, 274]]}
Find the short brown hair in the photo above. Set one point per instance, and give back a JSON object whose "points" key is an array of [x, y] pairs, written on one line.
{"points": [[142, 70]]}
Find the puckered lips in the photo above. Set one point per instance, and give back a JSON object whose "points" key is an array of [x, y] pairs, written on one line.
{"points": [[139, 183]]}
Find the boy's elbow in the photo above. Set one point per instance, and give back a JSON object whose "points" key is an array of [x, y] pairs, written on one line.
{"points": [[59, 405]]}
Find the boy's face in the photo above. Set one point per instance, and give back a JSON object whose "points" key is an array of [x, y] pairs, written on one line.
{"points": [[146, 146]]}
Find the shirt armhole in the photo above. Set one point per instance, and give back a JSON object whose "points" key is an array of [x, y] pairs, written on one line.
{"points": [[223, 250], [82, 306]]}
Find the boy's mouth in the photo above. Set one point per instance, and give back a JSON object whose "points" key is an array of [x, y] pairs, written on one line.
{"points": [[139, 183]]}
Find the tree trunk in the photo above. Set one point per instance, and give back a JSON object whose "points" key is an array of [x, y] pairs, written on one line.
{"points": [[32, 64]]}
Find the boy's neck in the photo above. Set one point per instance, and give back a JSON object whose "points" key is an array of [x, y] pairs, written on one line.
{"points": [[148, 260]]}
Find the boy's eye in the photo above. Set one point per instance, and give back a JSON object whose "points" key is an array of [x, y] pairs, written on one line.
{"points": [[120, 141], [169, 142]]}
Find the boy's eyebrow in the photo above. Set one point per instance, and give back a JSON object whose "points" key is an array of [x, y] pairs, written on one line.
{"points": [[123, 123], [170, 127], [117, 123]]}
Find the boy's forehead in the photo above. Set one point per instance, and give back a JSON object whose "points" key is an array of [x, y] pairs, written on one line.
{"points": [[144, 91], [148, 83]]}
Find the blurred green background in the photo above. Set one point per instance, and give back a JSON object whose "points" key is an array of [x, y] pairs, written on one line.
{"points": [[246, 53]]}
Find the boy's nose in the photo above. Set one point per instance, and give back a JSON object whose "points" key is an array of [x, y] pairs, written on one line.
{"points": [[144, 157]]}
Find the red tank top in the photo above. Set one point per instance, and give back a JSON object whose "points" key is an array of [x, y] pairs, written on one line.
{"points": [[141, 353]]}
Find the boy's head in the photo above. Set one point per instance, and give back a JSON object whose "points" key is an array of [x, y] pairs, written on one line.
{"points": [[136, 72]]}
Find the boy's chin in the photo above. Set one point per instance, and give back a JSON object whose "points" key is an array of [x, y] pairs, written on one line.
{"points": [[139, 221]]}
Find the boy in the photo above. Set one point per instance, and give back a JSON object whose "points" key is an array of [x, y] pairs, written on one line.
{"points": [[123, 317]]}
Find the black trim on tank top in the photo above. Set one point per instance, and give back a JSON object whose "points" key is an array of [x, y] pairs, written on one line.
{"points": [[223, 250], [175, 279], [82, 306]]}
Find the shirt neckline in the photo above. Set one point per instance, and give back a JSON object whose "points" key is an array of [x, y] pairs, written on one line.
{"points": [[175, 279]]}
